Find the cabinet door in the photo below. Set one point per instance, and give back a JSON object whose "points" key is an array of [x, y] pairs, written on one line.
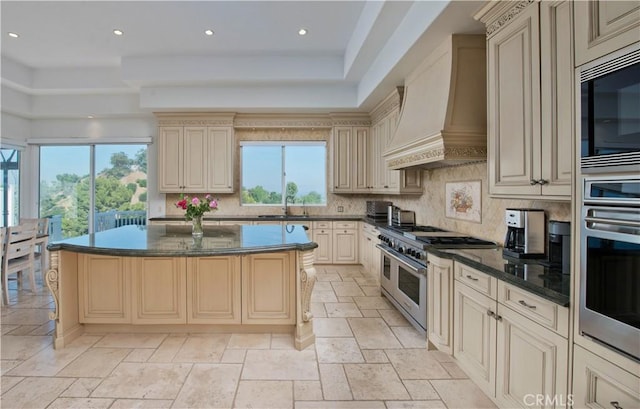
{"points": [[268, 288], [474, 336], [557, 98], [195, 161], [440, 302], [170, 159], [324, 251], [104, 289], [362, 162], [345, 246], [604, 26], [220, 166], [598, 383], [159, 289], [531, 360], [392, 177], [513, 92], [342, 158], [213, 290]]}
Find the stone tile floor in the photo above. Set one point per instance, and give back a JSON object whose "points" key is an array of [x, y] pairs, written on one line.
{"points": [[366, 355]]}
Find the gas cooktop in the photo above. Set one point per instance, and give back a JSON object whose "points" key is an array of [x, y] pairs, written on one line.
{"points": [[437, 237]]}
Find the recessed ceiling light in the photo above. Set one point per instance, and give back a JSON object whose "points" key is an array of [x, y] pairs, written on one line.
{"points": [[90, 116], [118, 32], [13, 35], [208, 32], [302, 31]]}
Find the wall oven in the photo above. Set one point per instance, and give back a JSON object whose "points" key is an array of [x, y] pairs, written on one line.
{"points": [[610, 112], [610, 262]]}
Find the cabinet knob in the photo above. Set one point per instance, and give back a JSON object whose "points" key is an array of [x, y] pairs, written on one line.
{"points": [[543, 182], [616, 404], [533, 182]]}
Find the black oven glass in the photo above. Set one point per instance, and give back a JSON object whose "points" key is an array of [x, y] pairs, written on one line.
{"points": [[610, 110], [613, 279], [615, 190], [409, 284], [386, 267]]}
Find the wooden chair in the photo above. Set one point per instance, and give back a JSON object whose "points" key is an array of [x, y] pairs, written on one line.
{"points": [[18, 255], [42, 239]]}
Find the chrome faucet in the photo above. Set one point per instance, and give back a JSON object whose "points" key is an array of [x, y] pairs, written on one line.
{"points": [[285, 209]]}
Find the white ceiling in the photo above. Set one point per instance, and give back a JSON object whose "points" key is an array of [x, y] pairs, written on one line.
{"points": [[68, 63]]}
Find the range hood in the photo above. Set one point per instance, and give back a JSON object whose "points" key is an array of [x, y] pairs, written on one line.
{"points": [[443, 119]]}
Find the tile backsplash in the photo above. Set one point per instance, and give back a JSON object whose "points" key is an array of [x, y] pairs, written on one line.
{"points": [[429, 207]]}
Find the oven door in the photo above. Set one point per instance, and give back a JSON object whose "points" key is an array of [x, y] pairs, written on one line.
{"points": [[610, 277], [387, 280]]}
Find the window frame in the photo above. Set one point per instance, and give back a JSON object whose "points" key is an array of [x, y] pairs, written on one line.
{"points": [[283, 144]]}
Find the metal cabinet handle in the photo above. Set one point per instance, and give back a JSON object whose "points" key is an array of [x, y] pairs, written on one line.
{"points": [[470, 277], [524, 304], [616, 405], [533, 182], [491, 313]]}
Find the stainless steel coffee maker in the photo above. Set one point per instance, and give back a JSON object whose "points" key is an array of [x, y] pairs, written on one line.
{"points": [[525, 236]]}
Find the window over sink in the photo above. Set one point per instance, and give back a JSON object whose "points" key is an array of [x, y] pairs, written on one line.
{"points": [[272, 172]]}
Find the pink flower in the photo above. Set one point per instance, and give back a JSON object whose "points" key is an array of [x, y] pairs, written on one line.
{"points": [[182, 204], [213, 204], [195, 201], [209, 197]]}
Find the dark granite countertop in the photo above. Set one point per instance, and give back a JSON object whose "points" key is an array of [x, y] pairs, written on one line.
{"points": [[529, 274], [257, 218], [159, 240]]}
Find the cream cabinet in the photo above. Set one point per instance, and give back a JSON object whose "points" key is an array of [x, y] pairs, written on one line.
{"points": [[104, 289], [604, 26], [370, 256], [351, 159], [345, 242], [530, 99], [268, 288], [159, 290], [440, 302], [323, 236], [506, 351], [213, 290], [195, 159], [598, 383]]}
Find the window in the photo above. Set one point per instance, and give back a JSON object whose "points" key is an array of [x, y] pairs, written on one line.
{"points": [[296, 168], [103, 186], [10, 186]]}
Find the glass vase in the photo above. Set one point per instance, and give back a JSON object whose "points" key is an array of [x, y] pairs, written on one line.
{"points": [[196, 226]]}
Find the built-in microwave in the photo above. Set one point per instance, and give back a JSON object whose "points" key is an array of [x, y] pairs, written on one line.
{"points": [[610, 112]]}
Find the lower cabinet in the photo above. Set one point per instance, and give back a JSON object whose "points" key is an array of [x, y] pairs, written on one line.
{"points": [[508, 355], [268, 282], [323, 236], [213, 290], [440, 302], [337, 242], [370, 256], [104, 289], [159, 290], [345, 246], [598, 383]]}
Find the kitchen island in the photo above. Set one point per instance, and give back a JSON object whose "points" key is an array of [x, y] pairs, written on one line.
{"points": [[161, 279]]}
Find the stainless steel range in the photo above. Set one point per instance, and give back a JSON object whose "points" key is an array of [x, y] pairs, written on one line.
{"points": [[403, 279]]}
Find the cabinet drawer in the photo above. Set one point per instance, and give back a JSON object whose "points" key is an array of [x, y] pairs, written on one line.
{"points": [[322, 225], [476, 279], [345, 225], [544, 312]]}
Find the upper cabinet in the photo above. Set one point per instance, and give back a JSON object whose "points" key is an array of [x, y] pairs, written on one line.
{"points": [[195, 159], [351, 159], [530, 98], [604, 26]]}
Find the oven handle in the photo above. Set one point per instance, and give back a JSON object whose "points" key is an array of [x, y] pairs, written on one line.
{"points": [[616, 222], [400, 258]]}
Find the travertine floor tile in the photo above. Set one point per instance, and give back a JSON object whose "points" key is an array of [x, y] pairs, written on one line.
{"points": [[416, 364], [168, 349], [307, 390], [34, 393], [341, 405], [346, 289], [420, 390], [276, 364], [7, 365], [454, 370], [249, 341], [368, 281], [22, 347], [24, 330], [372, 303], [370, 290], [416, 404], [233, 356], [31, 316], [7, 328], [334, 382], [409, 337], [375, 356], [209, 386], [80, 403], [341, 310], [264, 394], [147, 380], [81, 388], [370, 313], [331, 327], [373, 333], [131, 341], [338, 350], [375, 382], [328, 277], [345, 299], [317, 309], [139, 355], [282, 341], [393, 318], [461, 394], [322, 286], [202, 348], [8, 382], [141, 404], [323, 296], [96, 362]]}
